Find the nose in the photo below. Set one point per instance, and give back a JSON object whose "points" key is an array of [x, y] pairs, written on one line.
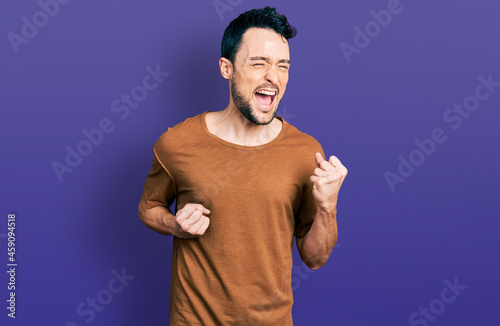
{"points": [[272, 75]]}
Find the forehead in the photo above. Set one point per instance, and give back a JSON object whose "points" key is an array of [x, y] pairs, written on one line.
{"points": [[263, 42]]}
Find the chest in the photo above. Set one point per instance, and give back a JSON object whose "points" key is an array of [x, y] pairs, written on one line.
{"points": [[251, 177]]}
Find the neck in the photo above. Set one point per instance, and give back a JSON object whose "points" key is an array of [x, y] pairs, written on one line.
{"points": [[230, 125]]}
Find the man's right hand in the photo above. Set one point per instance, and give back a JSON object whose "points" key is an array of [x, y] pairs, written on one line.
{"points": [[191, 221]]}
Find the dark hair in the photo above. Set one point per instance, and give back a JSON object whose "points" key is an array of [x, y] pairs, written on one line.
{"points": [[261, 18]]}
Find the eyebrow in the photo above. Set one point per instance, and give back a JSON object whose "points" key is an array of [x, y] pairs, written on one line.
{"points": [[267, 59]]}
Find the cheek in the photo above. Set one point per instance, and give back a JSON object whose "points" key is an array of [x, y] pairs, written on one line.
{"points": [[283, 86], [249, 84], [284, 79]]}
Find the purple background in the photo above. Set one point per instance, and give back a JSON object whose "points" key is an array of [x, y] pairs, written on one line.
{"points": [[395, 248]]}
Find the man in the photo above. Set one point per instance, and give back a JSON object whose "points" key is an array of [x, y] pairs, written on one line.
{"points": [[246, 184]]}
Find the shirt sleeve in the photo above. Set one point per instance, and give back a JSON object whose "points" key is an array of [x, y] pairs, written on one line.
{"points": [[307, 211], [159, 188], [308, 207]]}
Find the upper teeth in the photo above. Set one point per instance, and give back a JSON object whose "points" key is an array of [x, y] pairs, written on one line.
{"points": [[266, 92]]}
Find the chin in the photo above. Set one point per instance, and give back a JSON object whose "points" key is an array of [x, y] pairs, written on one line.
{"points": [[257, 116], [266, 117]]}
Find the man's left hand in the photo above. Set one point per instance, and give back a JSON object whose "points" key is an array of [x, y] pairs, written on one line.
{"points": [[327, 179]]}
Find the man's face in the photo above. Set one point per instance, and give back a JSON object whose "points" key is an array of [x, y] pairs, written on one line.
{"points": [[260, 74]]}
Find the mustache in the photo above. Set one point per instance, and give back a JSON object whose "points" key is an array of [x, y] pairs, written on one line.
{"points": [[268, 86]]}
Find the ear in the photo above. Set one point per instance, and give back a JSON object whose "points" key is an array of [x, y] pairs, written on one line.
{"points": [[226, 68]]}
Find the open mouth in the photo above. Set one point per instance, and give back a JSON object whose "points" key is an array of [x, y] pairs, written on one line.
{"points": [[265, 98]]}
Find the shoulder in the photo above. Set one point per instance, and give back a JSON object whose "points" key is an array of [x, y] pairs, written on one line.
{"points": [[177, 138], [300, 149], [182, 131], [302, 140]]}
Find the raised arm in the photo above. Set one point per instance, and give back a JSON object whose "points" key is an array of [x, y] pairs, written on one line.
{"points": [[316, 245]]}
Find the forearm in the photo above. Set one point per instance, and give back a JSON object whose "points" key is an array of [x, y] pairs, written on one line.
{"points": [[319, 241], [158, 218]]}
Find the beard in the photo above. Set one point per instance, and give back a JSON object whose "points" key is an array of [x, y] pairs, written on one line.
{"points": [[245, 107]]}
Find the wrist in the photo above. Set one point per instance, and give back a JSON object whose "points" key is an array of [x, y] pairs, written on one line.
{"points": [[326, 219], [327, 212], [170, 224]]}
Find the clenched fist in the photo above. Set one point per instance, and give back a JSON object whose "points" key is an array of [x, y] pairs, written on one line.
{"points": [[191, 221], [327, 179]]}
